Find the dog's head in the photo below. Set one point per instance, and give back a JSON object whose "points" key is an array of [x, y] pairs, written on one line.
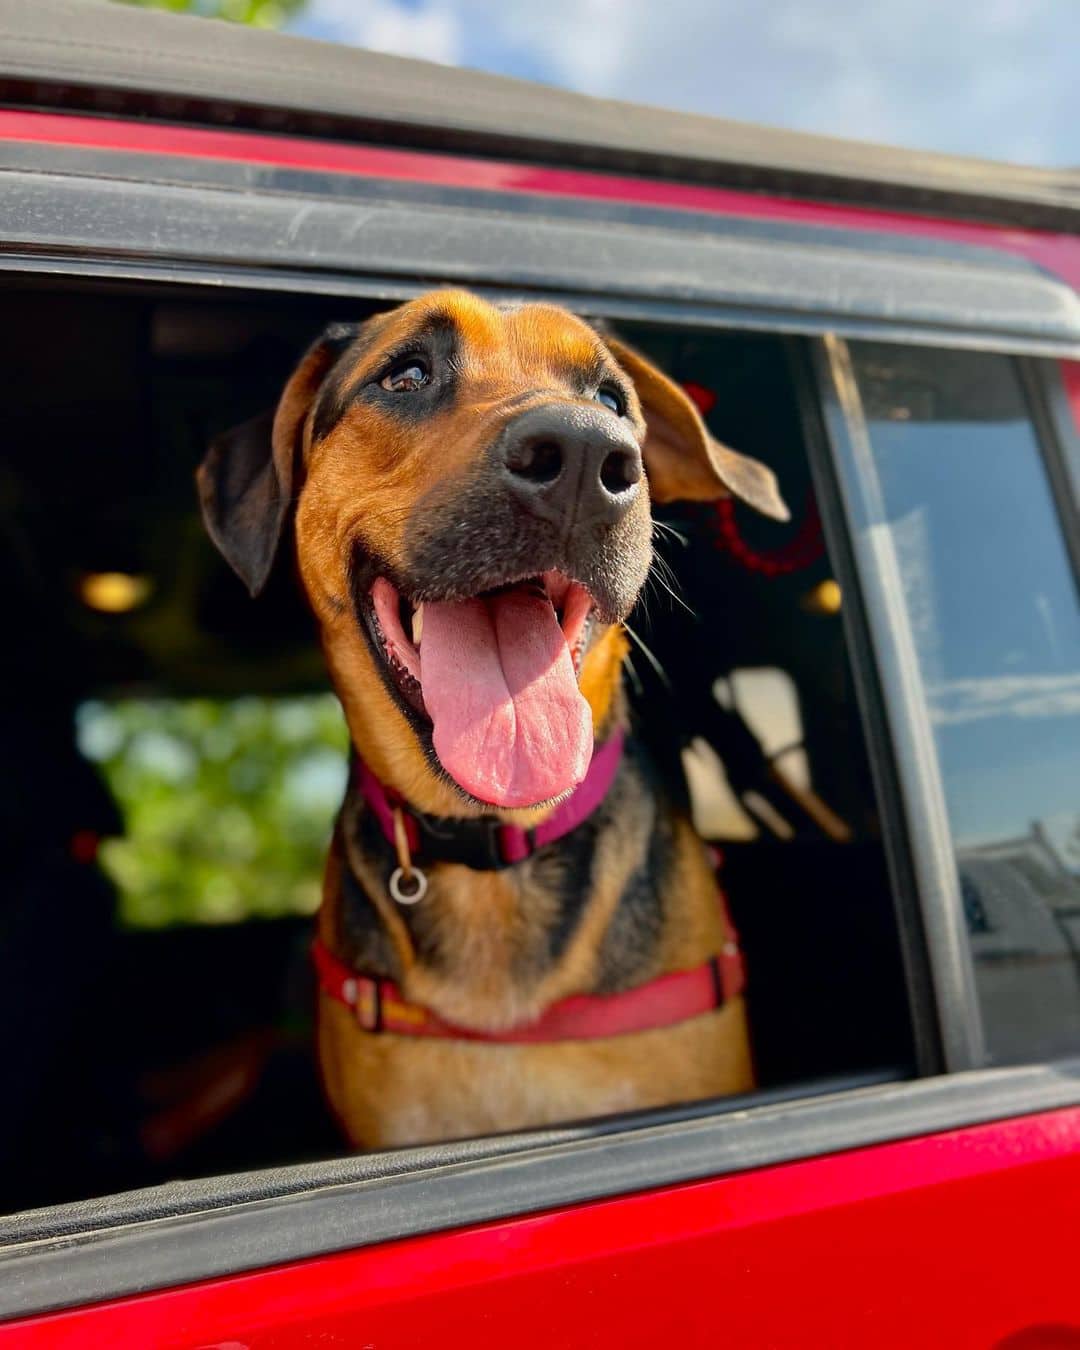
{"points": [[471, 489]]}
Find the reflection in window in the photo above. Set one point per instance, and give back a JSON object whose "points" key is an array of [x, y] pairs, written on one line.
{"points": [[227, 803], [993, 607]]}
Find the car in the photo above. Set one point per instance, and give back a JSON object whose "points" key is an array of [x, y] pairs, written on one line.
{"points": [[876, 707]]}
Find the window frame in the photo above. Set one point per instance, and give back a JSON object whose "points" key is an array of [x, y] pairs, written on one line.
{"points": [[114, 214], [76, 1253], [867, 616], [914, 756], [183, 1233], [859, 500]]}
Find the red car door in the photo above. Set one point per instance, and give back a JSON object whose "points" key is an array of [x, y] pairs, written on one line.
{"points": [[909, 1242]]}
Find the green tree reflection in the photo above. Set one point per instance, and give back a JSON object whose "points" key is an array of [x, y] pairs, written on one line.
{"points": [[259, 13]]}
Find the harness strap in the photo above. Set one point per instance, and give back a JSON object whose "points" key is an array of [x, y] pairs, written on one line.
{"points": [[486, 843], [379, 1005]]}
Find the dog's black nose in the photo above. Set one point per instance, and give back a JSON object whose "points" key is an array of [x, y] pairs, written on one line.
{"points": [[571, 465]]}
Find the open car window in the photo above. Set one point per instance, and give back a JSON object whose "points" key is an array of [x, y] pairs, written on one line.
{"points": [[214, 757]]}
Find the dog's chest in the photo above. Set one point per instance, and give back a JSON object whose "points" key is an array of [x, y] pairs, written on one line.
{"points": [[392, 1091]]}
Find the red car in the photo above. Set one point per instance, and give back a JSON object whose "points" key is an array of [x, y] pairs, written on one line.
{"points": [[891, 682]]}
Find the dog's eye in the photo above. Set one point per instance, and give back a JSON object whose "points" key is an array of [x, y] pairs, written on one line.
{"points": [[611, 398], [407, 375]]}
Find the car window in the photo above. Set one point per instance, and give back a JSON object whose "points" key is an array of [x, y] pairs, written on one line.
{"points": [[993, 608]]}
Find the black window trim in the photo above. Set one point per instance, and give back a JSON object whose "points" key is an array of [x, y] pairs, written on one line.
{"points": [[810, 280], [169, 275], [60, 1258]]}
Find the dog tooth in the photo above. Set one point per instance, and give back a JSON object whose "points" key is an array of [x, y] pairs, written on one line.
{"points": [[417, 624]]}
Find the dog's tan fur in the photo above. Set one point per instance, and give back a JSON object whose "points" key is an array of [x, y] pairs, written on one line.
{"points": [[481, 952]]}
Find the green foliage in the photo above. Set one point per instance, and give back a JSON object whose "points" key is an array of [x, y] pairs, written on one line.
{"points": [[259, 13], [227, 804]]}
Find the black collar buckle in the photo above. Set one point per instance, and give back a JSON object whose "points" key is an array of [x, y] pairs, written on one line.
{"points": [[474, 843]]}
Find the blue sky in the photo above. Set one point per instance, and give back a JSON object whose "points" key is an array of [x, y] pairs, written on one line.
{"points": [[995, 78]]}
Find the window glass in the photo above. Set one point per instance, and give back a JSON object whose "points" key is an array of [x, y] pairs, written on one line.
{"points": [[993, 607]]}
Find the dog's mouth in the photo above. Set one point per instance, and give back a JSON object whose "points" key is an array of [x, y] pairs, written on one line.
{"points": [[496, 675]]}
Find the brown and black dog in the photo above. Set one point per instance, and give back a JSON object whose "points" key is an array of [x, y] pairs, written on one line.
{"points": [[470, 493]]}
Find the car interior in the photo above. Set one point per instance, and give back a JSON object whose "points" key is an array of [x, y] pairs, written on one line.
{"points": [[175, 754]]}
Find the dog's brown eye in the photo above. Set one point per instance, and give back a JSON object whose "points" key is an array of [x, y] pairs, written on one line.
{"points": [[611, 398], [407, 375]]}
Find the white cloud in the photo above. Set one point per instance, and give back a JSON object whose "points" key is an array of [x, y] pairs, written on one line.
{"points": [[990, 77], [971, 700], [428, 33]]}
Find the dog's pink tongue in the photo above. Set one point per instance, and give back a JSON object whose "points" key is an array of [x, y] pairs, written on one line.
{"points": [[511, 725]]}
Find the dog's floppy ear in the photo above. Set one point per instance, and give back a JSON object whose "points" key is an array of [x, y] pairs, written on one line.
{"points": [[682, 461], [248, 478]]}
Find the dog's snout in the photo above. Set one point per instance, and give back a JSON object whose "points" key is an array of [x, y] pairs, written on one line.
{"points": [[571, 464]]}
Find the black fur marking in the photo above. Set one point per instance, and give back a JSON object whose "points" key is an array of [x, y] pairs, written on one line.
{"points": [[585, 379], [344, 340], [365, 944], [628, 951], [567, 868], [437, 339]]}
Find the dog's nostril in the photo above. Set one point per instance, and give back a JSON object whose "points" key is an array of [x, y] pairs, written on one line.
{"points": [[540, 462], [620, 471]]}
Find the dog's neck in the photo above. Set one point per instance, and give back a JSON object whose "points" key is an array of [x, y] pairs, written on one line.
{"points": [[462, 949], [492, 947]]}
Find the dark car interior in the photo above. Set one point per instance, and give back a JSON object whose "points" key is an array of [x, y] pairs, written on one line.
{"points": [[155, 999]]}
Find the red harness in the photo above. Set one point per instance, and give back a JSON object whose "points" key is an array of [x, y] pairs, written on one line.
{"points": [[487, 844], [379, 1005]]}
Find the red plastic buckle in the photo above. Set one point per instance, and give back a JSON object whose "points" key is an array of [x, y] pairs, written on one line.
{"points": [[362, 995]]}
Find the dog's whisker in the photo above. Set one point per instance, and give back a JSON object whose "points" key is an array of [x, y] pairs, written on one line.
{"points": [[665, 568], [649, 656], [668, 583], [663, 528], [635, 678]]}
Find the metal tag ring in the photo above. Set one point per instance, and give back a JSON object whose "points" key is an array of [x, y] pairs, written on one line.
{"points": [[397, 876]]}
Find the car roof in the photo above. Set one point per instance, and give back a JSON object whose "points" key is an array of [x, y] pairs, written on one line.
{"points": [[112, 58]]}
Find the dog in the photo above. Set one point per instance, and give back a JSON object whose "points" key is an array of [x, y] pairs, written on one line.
{"points": [[518, 927]]}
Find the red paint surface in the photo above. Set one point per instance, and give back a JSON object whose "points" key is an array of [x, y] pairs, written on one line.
{"points": [[1058, 253], [964, 1239]]}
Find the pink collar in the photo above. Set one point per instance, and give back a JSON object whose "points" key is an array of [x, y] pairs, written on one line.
{"points": [[486, 843]]}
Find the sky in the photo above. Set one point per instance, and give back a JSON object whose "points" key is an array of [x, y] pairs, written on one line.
{"points": [[993, 78]]}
